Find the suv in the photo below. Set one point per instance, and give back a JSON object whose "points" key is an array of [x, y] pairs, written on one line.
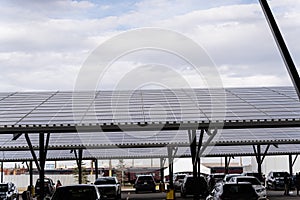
{"points": [[256, 174], [275, 180], [145, 183], [76, 192], [49, 187], [178, 179], [242, 190], [191, 186], [9, 191], [256, 184], [109, 187]]}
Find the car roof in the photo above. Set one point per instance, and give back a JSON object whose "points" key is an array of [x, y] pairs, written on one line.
{"points": [[106, 177], [77, 185], [245, 177], [144, 175], [238, 183]]}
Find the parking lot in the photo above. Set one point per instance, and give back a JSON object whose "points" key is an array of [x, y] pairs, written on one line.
{"points": [[273, 195]]}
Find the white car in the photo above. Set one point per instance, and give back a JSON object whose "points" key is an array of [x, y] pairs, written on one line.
{"points": [[256, 184]]}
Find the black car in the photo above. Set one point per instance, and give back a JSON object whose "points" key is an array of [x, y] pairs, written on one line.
{"points": [[178, 180], [77, 192], [109, 187], [233, 191], [145, 183], [9, 191], [49, 187], [192, 186], [275, 180]]}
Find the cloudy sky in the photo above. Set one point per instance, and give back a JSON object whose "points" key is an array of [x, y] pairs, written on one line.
{"points": [[44, 44]]}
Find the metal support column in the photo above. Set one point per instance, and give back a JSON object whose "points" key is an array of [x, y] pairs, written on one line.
{"points": [[292, 70], [30, 174], [196, 152], [79, 164], [291, 164], [193, 149], [96, 169], [259, 162], [42, 166], [2, 172], [162, 171], [171, 192], [226, 165]]}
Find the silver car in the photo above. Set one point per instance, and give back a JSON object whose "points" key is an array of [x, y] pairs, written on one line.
{"points": [[109, 187], [9, 191], [256, 184]]}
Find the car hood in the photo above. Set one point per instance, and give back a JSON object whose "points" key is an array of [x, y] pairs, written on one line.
{"points": [[107, 185]]}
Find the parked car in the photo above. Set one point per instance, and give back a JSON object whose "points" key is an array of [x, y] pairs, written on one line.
{"points": [[9, 191], [217, 177], [229, 176], [275, 180], [256, 184], [145, 183], [49, 187], [178, 179], [234, 191], [77, 192], [256, 174], [191, 186], [109, 187]]}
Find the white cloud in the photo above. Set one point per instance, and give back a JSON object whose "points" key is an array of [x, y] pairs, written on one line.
{"points": [[43, 44]]}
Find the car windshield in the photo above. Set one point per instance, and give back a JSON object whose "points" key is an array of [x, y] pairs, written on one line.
{"points": [[280, 174], [228, 177], [145, 178], [3, 187], [45, 180], [219, 176], [245, 190], [253, 181], [180, 177], [105, 181], [75, 193]]}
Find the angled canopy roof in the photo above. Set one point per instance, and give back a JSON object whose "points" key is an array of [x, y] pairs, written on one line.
{"points": [[142, 110], [113, 124]]}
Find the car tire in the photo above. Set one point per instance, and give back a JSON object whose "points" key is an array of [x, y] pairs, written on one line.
{"points": [[118, 197], [182, 194], [274, 186]]}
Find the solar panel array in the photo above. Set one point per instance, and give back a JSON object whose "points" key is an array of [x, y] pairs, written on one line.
{"points": [[147, 106], [30, 109]]}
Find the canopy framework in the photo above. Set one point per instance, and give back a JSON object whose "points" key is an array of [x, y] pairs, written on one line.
{"points": [[131, 116], [146, 123]]}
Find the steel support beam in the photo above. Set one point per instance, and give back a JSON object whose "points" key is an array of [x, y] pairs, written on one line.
{"points": [[79, 164], [32, 152], [258, 160], [292, 70], [96, 169], [2, 172], [30, 174], [171, 159], [162, 173], [295, 159], [42, 165], [227, 164], [196, 152], [291, 164]]}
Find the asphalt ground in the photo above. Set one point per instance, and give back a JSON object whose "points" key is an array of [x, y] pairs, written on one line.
{"points": [[130, 195]]}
